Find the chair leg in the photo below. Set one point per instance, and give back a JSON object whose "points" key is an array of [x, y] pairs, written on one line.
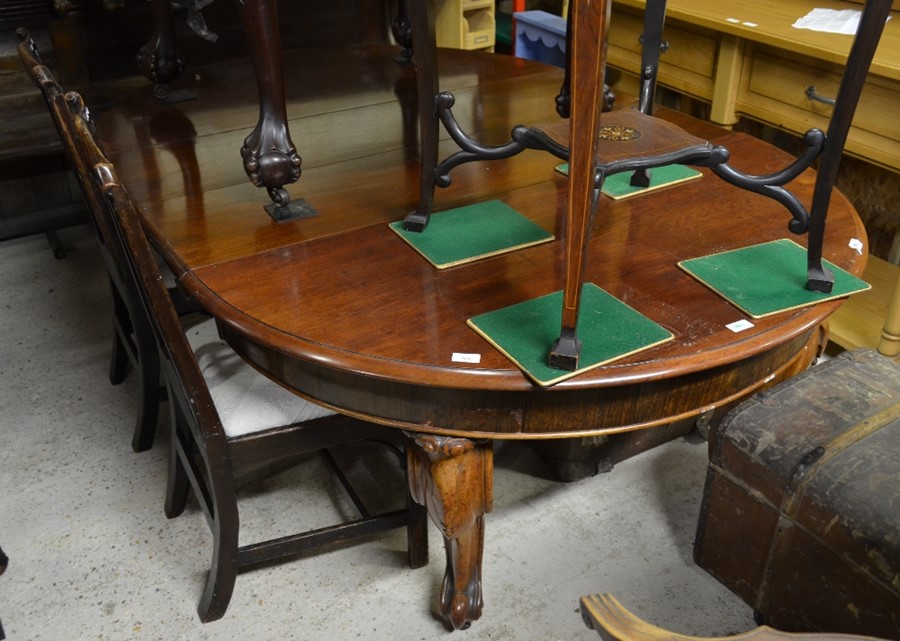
{"points": [[176, 488], [148, 415], [178, 484], [118, 366], [223, 571], [59, 251], [417, 533]]}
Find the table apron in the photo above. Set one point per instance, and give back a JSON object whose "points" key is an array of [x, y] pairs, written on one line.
{"points": [[534, 414]]}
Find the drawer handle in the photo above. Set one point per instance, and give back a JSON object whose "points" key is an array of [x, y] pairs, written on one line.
{"points": [[663, 46], [812, 95]]}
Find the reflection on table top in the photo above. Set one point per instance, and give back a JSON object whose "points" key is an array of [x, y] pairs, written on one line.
{"points": [[340, 293]]}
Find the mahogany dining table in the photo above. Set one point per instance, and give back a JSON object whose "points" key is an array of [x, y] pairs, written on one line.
{"points": [[337, 308]]}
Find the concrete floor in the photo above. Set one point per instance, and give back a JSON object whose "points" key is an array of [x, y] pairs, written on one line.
{"points": [[92, 556]]}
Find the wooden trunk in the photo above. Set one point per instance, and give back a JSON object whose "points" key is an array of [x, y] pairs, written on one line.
{"points": [[801, 510]]}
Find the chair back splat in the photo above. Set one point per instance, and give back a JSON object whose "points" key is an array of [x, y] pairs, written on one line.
{"points": [[133, 343]]}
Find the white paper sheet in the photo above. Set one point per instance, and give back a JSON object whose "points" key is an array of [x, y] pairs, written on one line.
{"points": [[844, 21]]}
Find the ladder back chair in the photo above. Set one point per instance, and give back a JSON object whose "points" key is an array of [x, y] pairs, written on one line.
{"points": [[133, 343], [226, 418]]}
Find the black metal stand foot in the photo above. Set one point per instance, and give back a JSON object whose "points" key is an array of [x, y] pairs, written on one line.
{"points": [[565, 351], [822, 284], [415, 221]]}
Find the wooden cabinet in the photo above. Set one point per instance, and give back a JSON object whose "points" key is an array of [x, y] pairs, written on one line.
{"points": [[745, 59], [688, 64], [774, 89], [465, 24]]}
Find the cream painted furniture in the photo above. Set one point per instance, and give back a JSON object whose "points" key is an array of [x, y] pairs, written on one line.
{"points": [[871, 318], [745, 59], [465, 24]]}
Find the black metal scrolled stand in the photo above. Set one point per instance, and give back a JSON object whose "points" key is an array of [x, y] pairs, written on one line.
{"points": [[471, 149], [871, 25], [436, 108], [772, 185], [826, 147]]}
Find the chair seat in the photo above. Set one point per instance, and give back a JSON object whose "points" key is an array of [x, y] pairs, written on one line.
{"points": [[247, 401]]}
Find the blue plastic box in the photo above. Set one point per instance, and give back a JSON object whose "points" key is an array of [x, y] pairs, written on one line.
{"points": [[541, 36]]}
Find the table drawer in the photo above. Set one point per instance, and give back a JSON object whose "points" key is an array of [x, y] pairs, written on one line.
{"points": [[689, 63], [774, 89]]}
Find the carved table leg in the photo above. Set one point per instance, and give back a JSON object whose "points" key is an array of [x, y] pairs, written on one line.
{"points": [[402, 31], [270, 158], [158, 60], [453, 478]]}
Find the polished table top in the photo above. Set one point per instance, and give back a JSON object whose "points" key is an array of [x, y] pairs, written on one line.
{"points": [[341, 310]]}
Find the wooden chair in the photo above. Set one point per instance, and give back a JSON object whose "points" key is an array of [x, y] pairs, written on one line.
{"points": [[226, 418], [133, 343], [604, 613]]}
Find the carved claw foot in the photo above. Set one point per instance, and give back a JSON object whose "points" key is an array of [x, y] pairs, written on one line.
{"points": [[158, 60], [270, 158], [161, 68]]}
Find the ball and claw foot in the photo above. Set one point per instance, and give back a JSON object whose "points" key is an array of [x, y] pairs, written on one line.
{"points": [[270, 158]]}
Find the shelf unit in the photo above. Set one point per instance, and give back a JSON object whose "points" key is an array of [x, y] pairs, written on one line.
{"points": [[465, 24]]}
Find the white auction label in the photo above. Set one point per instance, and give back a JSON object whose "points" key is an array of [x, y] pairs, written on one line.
{"points": [[465, 358], [739, 326]]}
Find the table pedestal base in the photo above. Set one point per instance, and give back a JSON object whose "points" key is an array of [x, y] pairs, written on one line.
{"points": [[453, 479]]}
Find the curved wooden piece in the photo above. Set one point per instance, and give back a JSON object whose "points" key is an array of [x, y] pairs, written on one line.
{"points": [[453, 478], [604, 613], [158, 60], [270, 158]]}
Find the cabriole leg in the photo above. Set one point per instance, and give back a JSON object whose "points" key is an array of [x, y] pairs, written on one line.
{"points": [[453, 479]]}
